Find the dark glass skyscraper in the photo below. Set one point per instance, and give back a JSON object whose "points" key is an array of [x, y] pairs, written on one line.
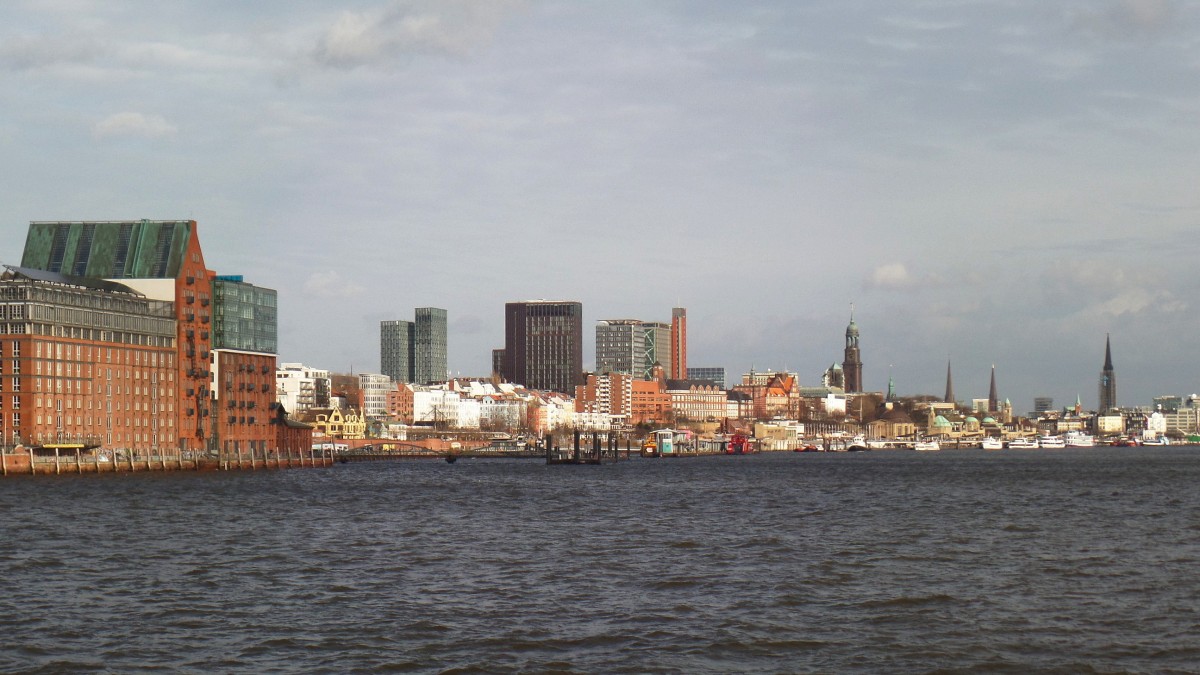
{"points": [[415, 351], [395, 350], [429, 346], [543, 344]]}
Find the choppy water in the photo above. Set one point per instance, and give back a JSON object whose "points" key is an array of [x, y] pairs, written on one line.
{"points": [[893, 561]]}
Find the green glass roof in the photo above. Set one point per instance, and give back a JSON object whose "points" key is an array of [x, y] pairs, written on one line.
{"points": [[130, 249]]}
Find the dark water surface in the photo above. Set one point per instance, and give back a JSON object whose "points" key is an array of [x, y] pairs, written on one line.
{"points": [[891, 561]]}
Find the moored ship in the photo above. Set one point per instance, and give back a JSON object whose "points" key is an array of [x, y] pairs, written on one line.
{"points": [[1078, 439]]}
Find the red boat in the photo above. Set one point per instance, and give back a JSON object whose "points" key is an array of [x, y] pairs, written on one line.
{"points": [[739, 444]]}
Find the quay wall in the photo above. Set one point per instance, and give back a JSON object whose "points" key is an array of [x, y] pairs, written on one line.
{"points": [[23, 464]]}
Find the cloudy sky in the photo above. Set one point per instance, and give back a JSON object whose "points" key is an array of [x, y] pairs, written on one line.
{"points": [[987, 181]]}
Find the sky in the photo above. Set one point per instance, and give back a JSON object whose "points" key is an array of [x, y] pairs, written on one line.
{"points": [[986, 182]]}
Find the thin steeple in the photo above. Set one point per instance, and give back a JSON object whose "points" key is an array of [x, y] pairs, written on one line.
{"points": [[949, 385], [1108, 380], [993, 398]]}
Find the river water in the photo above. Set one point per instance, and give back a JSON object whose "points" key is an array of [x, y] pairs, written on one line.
{"points": [[891, 561]]}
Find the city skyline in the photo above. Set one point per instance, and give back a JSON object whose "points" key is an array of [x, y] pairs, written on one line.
{"points": [[985, 183]]}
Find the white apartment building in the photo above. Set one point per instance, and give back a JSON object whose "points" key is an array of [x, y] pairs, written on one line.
{"points": [[375, 388], [298, 387]]}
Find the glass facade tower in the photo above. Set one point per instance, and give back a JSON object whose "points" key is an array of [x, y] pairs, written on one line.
{"points": [[429, 346], [415, 351], [245, 316]]}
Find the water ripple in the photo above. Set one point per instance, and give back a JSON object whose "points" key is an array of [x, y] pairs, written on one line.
{"points": [[958, 562]]}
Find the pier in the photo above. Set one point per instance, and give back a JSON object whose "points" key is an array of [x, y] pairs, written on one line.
{"points": [[601, 450]]}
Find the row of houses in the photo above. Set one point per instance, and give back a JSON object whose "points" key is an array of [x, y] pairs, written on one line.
{"points": [[367, 404]]}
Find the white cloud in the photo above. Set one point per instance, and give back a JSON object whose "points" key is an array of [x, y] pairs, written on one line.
{"points": [[892, 275], [132, 124], [330, 285], [409, 26]]}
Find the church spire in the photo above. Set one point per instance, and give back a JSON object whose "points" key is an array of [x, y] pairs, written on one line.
{"points": [[1108, 380], [949, 384], [993, 398], [852, 362]]}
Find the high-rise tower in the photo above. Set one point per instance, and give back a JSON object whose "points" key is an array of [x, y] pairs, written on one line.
{"points": [[415, 351], [852, 365], [429, 346], [631, 346], [543, 344], [395, 350], [678, 369], [1108, 380]]}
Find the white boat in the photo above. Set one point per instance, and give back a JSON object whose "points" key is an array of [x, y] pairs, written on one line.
{"points": [[1078, 439], [1160, 440], [1051, 442], [926, 446], [1023, 444], [991, 443]]}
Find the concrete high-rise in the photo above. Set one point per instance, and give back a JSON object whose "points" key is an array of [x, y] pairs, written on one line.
{"points": [[632, 347], [678, 369], [543, 344]]}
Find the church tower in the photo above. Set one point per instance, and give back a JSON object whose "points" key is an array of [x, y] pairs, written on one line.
{"points": [[949, 385], [1108, 381], [993, 397], [852, 365]]}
